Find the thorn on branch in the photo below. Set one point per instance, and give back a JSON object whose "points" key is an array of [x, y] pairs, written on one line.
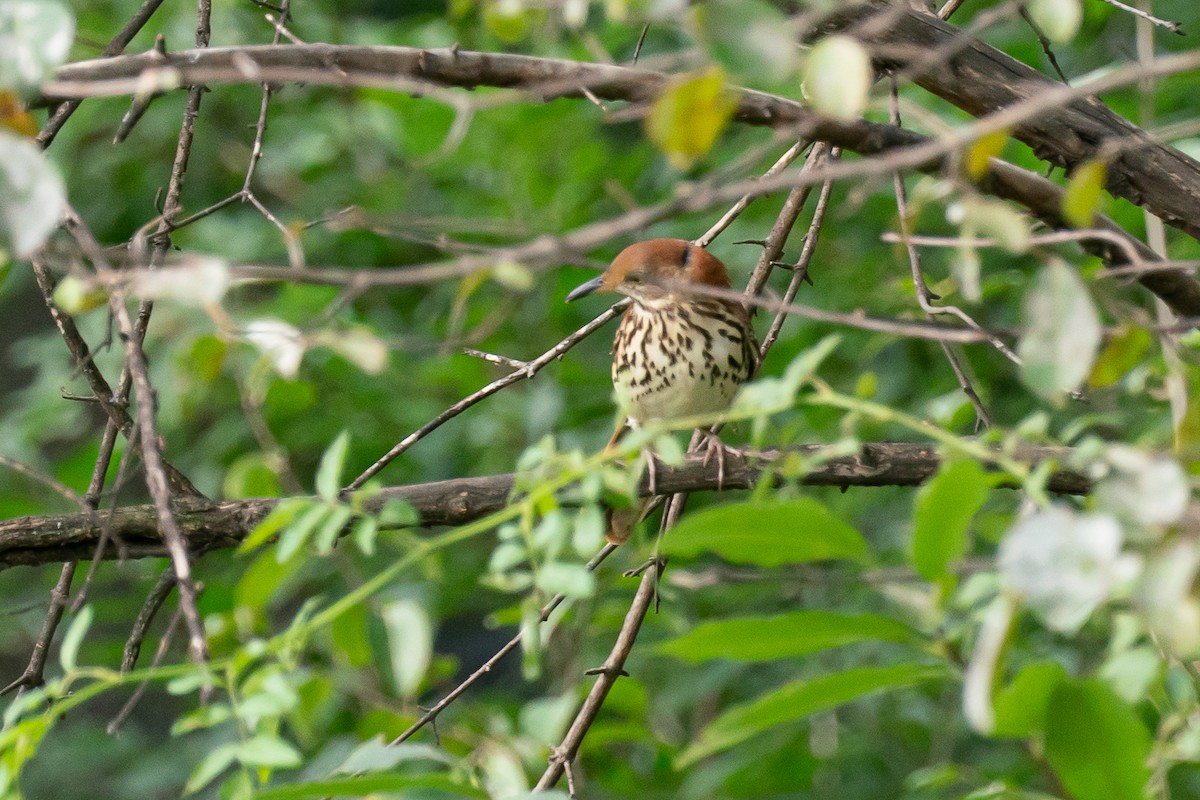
{"points": [[612, 672]]}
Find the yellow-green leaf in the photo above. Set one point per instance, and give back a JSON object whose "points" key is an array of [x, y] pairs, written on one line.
{"points": [[984, 148], [507, 19], [75, 296], [1120, 355], [1082, 197], [691, 112]]}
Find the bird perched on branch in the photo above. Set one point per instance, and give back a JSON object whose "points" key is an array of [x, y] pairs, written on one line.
{"points": [[677, 353]]}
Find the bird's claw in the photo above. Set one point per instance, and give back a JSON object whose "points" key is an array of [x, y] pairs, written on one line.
{"points": [[714, 448]]}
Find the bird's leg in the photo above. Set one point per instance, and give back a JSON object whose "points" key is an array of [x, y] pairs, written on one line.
{"points": [[651, 472], [715, 448]]}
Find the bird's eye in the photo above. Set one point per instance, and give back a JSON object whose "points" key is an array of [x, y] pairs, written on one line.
{"points": [[686, 257], [634, 277]]}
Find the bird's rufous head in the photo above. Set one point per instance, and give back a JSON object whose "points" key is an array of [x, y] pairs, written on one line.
{"points": [[649, 268]]}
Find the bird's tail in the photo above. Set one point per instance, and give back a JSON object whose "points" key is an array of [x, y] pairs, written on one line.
{"points": [[621, 521]]}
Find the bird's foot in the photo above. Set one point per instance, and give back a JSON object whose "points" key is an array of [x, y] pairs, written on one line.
{"points": [[714, 448], [651, 472]]}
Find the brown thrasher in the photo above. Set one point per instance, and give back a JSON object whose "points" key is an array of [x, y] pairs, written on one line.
{"points": [[676, 354]]}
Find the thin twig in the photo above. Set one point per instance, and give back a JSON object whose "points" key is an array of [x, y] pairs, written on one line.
{"points": [[42, 478], [607, 674], [800, 270], [924, 297], [1173, 27], [530, 369], [1044, 42], [156, 478], [59, 599], [141, 625], [431, 714], [63, 112], [744, 202], [115, 724]]}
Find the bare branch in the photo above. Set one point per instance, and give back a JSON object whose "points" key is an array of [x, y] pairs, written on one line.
{"points": [[207, 525]]}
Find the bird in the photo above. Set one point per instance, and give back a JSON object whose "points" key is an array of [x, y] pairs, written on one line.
{"points": [[677, 353]]}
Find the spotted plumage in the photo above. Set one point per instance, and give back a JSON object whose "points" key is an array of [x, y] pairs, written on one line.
{"points": [[677, 353], [680, 357]]}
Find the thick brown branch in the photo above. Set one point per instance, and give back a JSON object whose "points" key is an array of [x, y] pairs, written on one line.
{"points": [[982, 80], [1134, 173], [207, 525]]}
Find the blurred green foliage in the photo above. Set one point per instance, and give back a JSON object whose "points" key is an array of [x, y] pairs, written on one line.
{"points": [[369, 178]]}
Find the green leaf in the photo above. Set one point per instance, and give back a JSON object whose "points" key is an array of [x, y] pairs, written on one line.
{"points": [[509, 21], [281, 515], [768, 534], [73, 638], [1081, 199], [782, 636], [691, 112], [1120, 355], [769, 394], [190, 681], [250, 476], [212, 765], [398, 513], [351, 637], [531, 639], [295, 535], [410, 643], [331, 528], [1096, 743], [1062, 332], [797, 700], [374, 755], [364, 785], [1020, 707], [982, 151], [589, 531], [268, 751], [73, 295], [203, 717], [944, 509], [365, 531], [333, 461], [572, 580]]}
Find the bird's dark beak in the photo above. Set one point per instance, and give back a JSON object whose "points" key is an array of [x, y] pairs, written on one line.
{"points": [[584, 289]]}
